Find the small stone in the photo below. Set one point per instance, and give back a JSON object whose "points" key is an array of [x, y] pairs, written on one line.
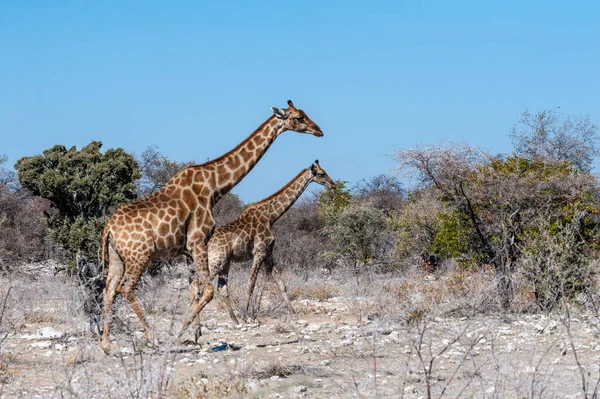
{"points": [[253, 385], [539, 329], [410, 389], [303, 323], [216, 361], [274, 378], [126, 351], [49, 333], [326, 362], [300, 388], [395, 336], [42, 345]]}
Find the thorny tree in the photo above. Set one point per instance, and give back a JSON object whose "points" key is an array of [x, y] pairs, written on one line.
{"points": [[500, 200]]}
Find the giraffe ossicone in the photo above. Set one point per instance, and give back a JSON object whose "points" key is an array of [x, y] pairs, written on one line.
{"points": [[178, 218]]}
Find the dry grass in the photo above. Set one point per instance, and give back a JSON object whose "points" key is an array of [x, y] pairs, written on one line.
{"points": [[321, 292], [220, 387], [403, 303]]}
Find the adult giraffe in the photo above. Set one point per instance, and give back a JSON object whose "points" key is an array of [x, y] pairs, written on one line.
{"points": [[178, 218]]}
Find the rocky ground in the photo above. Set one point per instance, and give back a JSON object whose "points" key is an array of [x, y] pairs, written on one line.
{"points": [[336, 347]]}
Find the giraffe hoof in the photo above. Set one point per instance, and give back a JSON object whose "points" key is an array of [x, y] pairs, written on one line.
{"points": [[106, 348], [197, 334]]}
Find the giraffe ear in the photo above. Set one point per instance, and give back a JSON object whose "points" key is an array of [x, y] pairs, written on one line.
{"points": [[279, 113], [313, 169], [291, 104]]}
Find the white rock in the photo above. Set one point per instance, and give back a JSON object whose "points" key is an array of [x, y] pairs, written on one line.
{"points": [[395, 336], [300, 388], [42, 345], [126, 351], [253, 385], [410, 389], [49, 333]]}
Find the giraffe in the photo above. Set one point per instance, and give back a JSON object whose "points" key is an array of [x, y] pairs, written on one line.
{"points": [[250, 236], [178, 218]]}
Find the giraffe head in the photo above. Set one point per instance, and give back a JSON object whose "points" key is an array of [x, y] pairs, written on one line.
{"points": [[320, 176], [296, 120]]}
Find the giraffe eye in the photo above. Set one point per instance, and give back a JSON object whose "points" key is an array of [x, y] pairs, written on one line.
{"points": [[299, 118]]}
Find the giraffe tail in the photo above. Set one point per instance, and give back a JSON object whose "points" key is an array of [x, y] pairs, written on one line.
{"points": [[105, 238]]}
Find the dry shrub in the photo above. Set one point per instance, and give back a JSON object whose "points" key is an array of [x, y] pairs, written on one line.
{"points": [[23, 228], [321, 292], [202, 387], [40, 316], [460, 292], [280, 370]]}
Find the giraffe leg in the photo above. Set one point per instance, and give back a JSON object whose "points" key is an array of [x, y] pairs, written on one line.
{"points": [[260, 255], [194, 298], [116, 269], [127, 290], [223, 281], [275, 275], [201, 259]]}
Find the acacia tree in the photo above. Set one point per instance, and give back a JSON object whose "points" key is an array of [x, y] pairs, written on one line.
{"points": [[383, 192], [358, 237], [156, 170], [22, 223], [547, 135], [502, 200], [84, 187]]}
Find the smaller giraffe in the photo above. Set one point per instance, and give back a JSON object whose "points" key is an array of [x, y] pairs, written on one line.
{"points": [[250, 236]]}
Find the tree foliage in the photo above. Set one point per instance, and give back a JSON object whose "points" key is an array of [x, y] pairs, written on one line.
{"points": [[333, 201], [357, 236], [22, 223], [498, 200], [156, 170], [547, 135], [83, 186], [383, 192]]}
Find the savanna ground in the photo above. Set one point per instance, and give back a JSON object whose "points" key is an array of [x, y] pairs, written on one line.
{"points": [[378, 335]]}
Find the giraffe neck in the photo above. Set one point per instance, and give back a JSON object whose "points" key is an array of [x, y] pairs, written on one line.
{"points": [[283, 199], [230, 168]]}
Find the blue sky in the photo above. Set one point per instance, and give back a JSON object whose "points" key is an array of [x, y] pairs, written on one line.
{"points": [[195, 78]]}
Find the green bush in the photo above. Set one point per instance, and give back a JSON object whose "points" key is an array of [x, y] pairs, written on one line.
{"points": [[84, 187]]}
